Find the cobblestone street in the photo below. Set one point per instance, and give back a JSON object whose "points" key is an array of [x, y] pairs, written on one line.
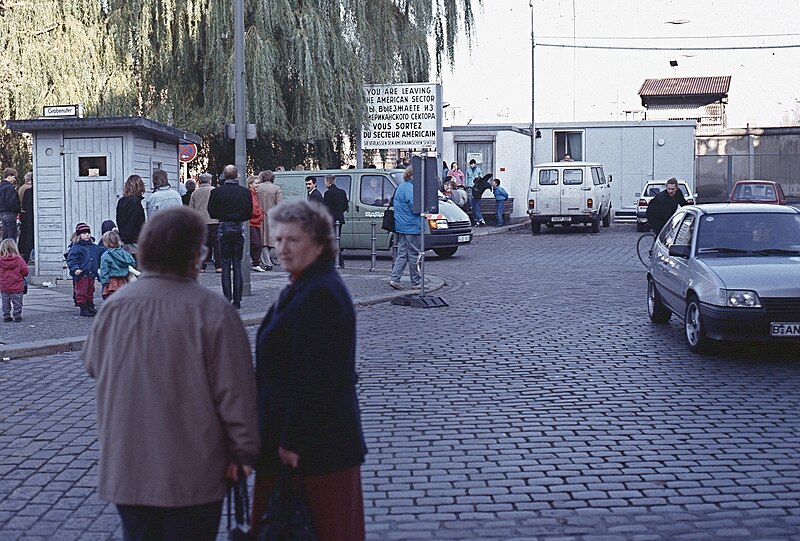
{"points": [[541, 404]]}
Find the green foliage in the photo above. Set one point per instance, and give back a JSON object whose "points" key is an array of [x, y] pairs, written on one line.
{"points": [[172, 60]]}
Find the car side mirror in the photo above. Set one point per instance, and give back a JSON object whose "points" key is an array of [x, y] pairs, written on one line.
{"points": [[680, 250]]}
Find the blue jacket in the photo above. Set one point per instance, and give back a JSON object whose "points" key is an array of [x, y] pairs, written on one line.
{"points": [[500, 194], [405, 221], [114, 263], [306, 376], [84, 255]]}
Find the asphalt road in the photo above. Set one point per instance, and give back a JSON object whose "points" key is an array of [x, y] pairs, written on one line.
{"points": [[540, 404]]}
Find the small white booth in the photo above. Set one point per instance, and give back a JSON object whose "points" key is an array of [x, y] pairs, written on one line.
{"points": [[79, 169]]}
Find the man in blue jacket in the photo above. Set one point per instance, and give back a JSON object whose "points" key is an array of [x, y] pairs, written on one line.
{"points": [[409, 233]]}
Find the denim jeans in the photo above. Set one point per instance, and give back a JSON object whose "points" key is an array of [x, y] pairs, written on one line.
{"points": [[408, 247], [12, 301], [498, 211], [191, 523], [476, 210], [231, 249]]}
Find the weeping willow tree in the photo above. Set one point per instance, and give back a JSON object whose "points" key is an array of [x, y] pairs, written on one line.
{"points": [[172, 60]]}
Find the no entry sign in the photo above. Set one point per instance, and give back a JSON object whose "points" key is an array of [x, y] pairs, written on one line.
{"points": [[187, 152]]}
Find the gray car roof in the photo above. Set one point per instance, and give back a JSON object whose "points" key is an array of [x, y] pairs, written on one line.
{"points": [[727, 208]]}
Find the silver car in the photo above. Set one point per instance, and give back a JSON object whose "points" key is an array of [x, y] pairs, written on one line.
{"points": [[731, 271]]}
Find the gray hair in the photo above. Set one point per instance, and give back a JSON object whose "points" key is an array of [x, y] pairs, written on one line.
{"points": [[205, 178], [314, 218]]}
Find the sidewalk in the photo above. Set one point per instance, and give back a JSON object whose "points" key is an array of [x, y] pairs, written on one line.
{"points": [[51, 324]]}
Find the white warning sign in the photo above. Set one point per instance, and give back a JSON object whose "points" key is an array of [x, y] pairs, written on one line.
{"points": [[400, 116]]}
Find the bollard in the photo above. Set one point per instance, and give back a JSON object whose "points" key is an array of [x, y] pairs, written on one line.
{"points": [[373, 255], [338, 228]]}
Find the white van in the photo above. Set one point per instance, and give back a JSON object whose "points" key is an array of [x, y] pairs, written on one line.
{"points": [[566, 193]]}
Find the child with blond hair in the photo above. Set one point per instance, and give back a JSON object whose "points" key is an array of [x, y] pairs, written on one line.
{"points": [[13, 271], [115, 264]]}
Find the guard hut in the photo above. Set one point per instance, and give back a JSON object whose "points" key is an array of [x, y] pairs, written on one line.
{"points": [[79, 170]]}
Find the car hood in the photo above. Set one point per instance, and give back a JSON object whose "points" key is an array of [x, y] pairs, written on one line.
{"points": [[772, 276]]}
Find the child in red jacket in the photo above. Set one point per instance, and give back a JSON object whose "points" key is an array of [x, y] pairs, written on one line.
{"points": [[13, 271]]}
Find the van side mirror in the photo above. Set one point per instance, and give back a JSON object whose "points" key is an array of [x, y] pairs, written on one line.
{"points": [[680, 250], [610, 178]]}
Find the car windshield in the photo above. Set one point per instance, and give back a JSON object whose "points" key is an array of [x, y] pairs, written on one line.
{"points": [[750, 233]]}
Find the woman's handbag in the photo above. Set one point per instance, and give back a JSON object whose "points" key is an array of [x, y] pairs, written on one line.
{"points": [[237, 494], [287, 517], [388, 217]]}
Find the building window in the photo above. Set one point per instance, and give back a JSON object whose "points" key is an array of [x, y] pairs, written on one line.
{"points": [[568, 143], [93, 166]]}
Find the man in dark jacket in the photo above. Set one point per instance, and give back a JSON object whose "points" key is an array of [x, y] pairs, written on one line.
{"points": [[663, 205], [232, 205], [335, 199], [313, 193], [9, 204]]}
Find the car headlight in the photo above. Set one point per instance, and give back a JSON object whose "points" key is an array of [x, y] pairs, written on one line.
{"points": [[742, 298], [438, 224]]}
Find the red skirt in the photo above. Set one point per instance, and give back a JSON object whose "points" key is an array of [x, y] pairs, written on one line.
{"points": [[335, 501], [113, 284]]}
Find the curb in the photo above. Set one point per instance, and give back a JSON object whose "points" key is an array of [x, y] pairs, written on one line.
{"points": [[43, 348]]}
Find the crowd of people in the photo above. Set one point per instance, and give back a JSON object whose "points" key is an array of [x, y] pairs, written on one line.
{"points": [[467, 189]]}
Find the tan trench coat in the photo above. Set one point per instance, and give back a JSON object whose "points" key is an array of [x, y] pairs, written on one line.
{"points": [[175, 393], [269, 194]]}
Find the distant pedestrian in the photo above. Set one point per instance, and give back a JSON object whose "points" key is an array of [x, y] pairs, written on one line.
{"points": [[269, 194], [335, 200], [456, 174], [13, 271], [163, 195], [408, 231], [479, 187], [256, 221], [115, 264], [500, 196], [199, 202], [232, 205], [313, 193], [105, 227], [83, 260], [130, 212], [26, 218], [9, 204], [474, 172], [190, 187], [175, 393]]}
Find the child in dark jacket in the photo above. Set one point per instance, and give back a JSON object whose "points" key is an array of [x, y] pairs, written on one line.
{"points": [[13, 271], [115, 264], [83, 260]]}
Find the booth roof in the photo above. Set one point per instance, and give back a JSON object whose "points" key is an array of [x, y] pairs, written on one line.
{"points": [[93, 123]]}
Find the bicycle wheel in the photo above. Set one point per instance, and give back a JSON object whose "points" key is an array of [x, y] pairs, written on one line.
{"points": [[644, 246]]}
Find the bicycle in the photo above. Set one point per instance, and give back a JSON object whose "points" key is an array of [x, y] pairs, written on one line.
{"points": [[644, 248]]}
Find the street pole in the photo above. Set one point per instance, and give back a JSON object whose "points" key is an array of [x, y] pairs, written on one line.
{"points": [[241, 133], [533, 124]]}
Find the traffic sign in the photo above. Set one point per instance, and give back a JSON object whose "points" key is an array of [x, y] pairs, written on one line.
{"points": [[187, 152]]}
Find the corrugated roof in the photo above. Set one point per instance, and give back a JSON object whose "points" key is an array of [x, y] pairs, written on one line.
{"points": [[686, 86]]}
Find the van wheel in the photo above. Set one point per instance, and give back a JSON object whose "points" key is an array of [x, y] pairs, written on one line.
{"points": [[607, 218], [444, 253], [596, 225], [536, 227]]}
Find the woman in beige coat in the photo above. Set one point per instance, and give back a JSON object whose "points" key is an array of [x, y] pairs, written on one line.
{"points": [[176, 409], [269, 194]]}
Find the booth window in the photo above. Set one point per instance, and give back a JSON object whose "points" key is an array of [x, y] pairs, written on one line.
{"points": [[92, 166], [568, 142]]}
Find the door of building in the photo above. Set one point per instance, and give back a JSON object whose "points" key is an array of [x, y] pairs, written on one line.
{"points": [[93, 181]]}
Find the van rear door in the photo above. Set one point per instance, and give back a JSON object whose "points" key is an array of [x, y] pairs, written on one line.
{"points": [[574, 190]]}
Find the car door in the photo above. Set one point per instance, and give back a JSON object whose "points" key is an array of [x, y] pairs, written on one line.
{"points": [[574, 188], [370, 200], [673, 270]]}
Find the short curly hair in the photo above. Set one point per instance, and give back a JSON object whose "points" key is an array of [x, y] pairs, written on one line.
{"points": [[312, 217]]}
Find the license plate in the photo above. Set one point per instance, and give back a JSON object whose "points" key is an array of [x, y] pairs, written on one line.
{"points": [[562, 219], [781, 328], [463, 238]]}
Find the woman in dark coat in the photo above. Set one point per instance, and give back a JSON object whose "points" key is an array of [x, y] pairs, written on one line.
{"points": [[130, 212], [309, 416], [26, 221]]}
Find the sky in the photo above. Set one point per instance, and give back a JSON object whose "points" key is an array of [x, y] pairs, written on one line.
{"points": [[491, 82]]}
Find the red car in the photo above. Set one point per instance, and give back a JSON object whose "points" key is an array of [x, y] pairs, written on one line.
{"points": [[757, 191]]}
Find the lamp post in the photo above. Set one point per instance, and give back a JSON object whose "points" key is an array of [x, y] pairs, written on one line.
{"points": [[240, 123], [533, 95]]}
